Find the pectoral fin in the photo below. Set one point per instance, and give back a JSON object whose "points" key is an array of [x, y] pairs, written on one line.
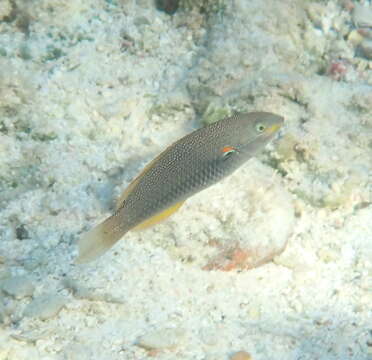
{"points": [[159, 217]]}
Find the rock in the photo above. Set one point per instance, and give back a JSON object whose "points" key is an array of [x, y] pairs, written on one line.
{"points": [[355, 37], [3, 314], [45, 306], [31, 336], [366, 48], [12, 350], [82, 292], [362, 16], [22, 232], [241, 355], [162, 339], [316, 13], [35, 258], [209, 336], [168, 6], [5, 273], [18, 286], [77, 351], [5, 9]]}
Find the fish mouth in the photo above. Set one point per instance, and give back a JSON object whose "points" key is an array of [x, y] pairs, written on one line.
{"points": [[273, 129]]}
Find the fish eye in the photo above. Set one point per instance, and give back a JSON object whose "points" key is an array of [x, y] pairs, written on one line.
{"points": [[260, 127]]}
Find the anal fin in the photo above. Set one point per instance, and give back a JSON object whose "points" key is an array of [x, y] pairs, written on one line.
{"points": [[159, 217]]}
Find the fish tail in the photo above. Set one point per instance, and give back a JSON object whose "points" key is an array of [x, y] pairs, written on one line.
{"points": [[101, 238]]}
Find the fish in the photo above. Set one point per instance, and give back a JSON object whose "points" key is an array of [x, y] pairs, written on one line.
{"points": [[188, 166]]}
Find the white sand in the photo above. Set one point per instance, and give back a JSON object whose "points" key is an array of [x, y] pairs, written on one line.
{"points": [[92, 90]]}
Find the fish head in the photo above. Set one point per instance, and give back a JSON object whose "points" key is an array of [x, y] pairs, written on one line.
{"points": [[250, 133], [259, 128]]}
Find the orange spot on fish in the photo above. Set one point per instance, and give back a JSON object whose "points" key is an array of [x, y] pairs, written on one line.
{"points": [[227, 149]]}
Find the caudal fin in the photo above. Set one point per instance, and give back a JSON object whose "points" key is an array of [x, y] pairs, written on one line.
{"points": [[98, 240]]}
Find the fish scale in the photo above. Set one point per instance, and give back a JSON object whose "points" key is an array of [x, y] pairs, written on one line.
{"points": [[191, 164]]}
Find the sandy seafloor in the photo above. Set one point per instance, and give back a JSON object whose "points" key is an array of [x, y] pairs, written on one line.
{"points": [[91, 90]]}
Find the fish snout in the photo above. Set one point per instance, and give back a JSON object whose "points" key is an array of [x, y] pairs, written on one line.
{"points": [[277, 122]]}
